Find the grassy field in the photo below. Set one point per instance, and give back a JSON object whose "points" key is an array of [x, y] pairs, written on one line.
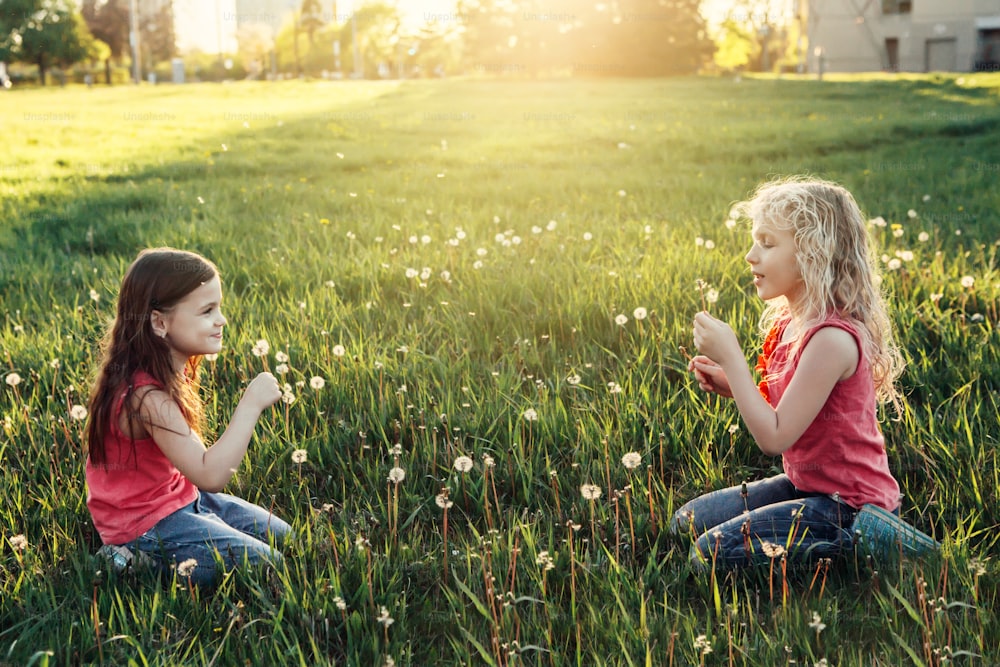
{"points": [[450, 257]]}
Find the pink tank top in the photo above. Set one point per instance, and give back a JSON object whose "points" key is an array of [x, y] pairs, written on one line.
{"points": [[134, 488], [842, 451]]}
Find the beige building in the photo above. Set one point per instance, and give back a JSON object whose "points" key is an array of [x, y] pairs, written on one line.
{"points": [[902, 35]]}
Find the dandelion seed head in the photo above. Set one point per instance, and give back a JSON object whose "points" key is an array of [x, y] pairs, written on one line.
{"points": [[621, 319], [817, 623], [280, 357], [772, 550], [639, 313], [186, 567], [13, 379], [530, 415], [441, 500], [590, 491], [463, 464], [338, 350], [397, 475], [631, 460], [18, 542], [78, 412], [299, 456], [261, 348], [316, 382]]}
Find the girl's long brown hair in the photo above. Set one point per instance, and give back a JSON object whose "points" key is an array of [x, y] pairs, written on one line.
{"points": [[157, 280]]}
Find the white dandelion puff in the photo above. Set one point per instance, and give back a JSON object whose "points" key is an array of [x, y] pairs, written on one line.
{"points": [[631, 460]]}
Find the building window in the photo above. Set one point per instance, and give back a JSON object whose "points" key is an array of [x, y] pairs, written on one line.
{"points": [[897, 6], [988, 51]]}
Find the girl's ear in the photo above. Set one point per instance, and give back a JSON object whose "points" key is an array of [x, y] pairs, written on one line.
{"points": [[158, 324]]}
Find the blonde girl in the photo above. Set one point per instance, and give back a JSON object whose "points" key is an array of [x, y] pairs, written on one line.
{"points": [[829, 358]]}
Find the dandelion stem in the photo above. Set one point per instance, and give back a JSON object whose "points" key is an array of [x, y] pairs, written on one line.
{"points": [[649, 495]]}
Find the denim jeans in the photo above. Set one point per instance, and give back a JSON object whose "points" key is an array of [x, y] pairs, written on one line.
{"points": [[215, 523], [731, 528]]}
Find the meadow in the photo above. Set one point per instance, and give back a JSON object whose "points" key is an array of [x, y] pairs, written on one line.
{"points": [[476, 293]]}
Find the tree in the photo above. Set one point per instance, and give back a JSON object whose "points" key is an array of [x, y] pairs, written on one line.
{"points": [[737, 45], [156, 34], [311, 18], [109, 22], [757, 29], [659, 37], [619, 38], [254, 42], [43, 33]]}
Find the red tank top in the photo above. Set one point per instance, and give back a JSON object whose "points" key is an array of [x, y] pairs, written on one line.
{"points": [[134, 488], [842, 451]]}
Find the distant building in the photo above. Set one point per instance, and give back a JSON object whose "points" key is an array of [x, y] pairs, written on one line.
{"points": [[903, 35], [276, 13], [272, 13]]}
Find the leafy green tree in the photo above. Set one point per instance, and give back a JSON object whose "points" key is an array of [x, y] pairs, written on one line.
{"points": [[43, 33], [157, 36], [737, 45], [311, 18], [108, 20], [658, 38], [620, 38]]}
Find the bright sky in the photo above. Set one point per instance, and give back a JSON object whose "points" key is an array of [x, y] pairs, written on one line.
{"points": [[206, 24]]}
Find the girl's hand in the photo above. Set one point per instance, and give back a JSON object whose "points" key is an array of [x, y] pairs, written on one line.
{"points": [[262, 392], [716, 340], [710, 376]]}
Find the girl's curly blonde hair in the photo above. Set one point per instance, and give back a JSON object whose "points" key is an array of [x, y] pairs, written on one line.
{"points": [[839, 271]]}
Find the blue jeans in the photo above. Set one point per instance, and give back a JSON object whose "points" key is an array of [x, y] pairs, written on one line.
{"points": [[732, 530], [215, 523]]}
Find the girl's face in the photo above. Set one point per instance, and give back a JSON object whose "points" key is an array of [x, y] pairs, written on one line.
{"points": [[194, 325], [772, 262]]}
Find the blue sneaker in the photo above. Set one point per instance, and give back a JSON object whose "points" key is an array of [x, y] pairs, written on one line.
{"points": [[122, 559]]}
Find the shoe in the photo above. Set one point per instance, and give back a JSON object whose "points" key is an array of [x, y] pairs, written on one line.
{"points": [[122, 559]]}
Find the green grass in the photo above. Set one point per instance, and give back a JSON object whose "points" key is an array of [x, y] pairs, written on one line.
{"points": [[548, 209]]}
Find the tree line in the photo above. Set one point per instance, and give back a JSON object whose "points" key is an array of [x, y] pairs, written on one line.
{"points": [[503, 37]]}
